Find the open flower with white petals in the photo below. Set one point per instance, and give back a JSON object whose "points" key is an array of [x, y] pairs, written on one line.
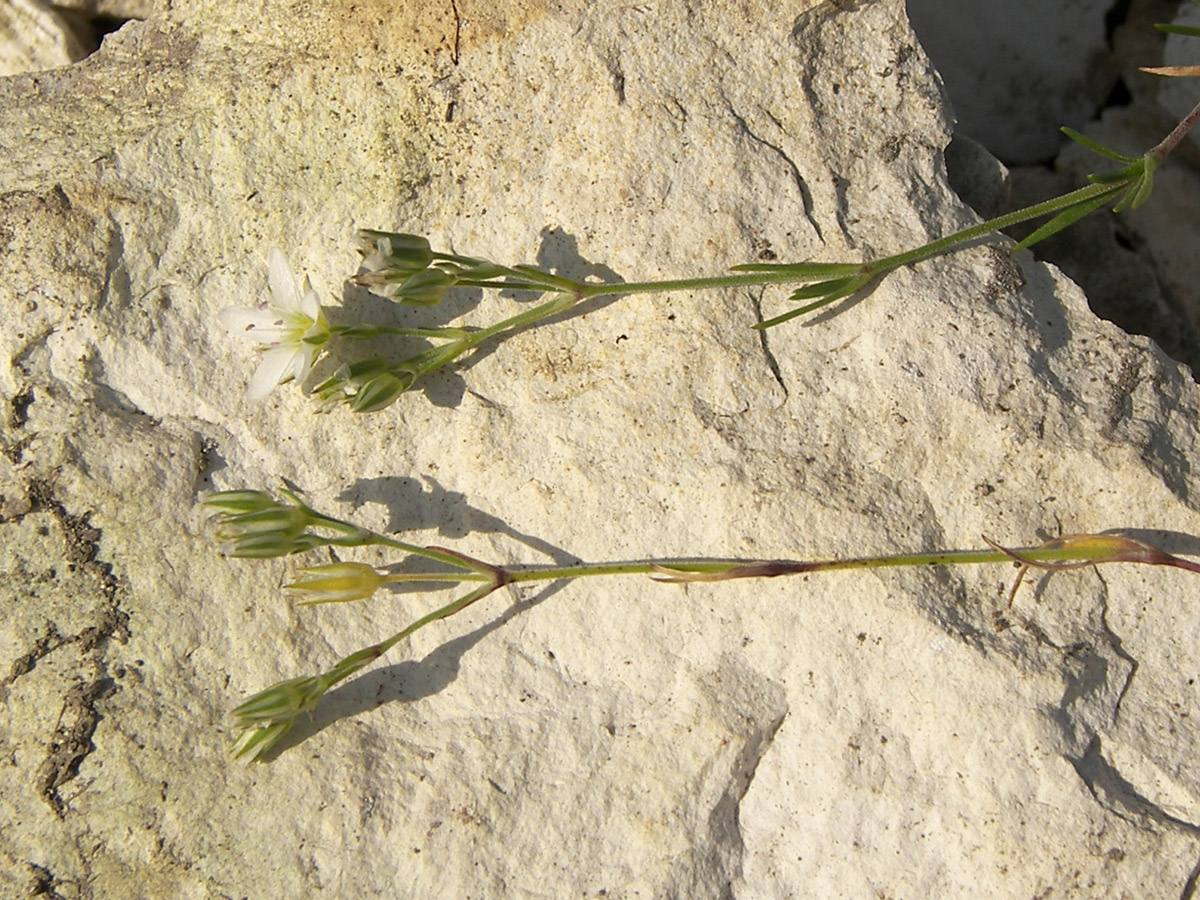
{"points": [[290, 329]]}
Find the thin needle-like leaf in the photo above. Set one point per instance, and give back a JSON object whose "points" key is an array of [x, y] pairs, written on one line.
{"points": [[1186, 30], [1096, 146], [801, 271], [1065, 219]]}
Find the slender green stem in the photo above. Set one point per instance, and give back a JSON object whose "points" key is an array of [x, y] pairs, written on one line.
{"points": [[366, 332], [1171, 141], [785, 274], [267, 716], [448, 610], [756, 279], [826, 283], [875, 267], [723, 569], [528, 317], [448, 577], [360, 658], [999, 223], [764, 568], [458, 560]]}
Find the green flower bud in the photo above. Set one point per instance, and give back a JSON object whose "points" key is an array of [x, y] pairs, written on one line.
{"points": [[400, 253], [337, 583], [347, 384], [254, 743], [270, 545], [267, 716], [282, 520], [255, 525], [379, 393]]}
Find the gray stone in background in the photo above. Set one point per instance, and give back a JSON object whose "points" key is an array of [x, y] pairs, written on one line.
{"points": [[1177, 95], [1136, 268], [35, 36], [1011, 68], [857, 735]]}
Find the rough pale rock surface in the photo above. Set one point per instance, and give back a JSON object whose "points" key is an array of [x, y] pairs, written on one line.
{"points": [[888, 734]]}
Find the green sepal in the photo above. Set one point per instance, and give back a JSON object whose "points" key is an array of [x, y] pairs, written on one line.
{"points": [[255, 742], [425, 288], [379, 393], [240, 501], [481, 270]]}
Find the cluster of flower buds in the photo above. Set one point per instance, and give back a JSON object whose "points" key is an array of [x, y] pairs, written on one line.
{"points": [[404, 268], [368, 385], [255, 525], [263, 720]]}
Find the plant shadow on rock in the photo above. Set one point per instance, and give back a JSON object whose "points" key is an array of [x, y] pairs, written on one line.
{"points": [[412, 506], [558, 253]]}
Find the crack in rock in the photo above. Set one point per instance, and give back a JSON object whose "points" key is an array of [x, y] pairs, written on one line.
{"points": [[1090, 680], [793, 169], [44, 883], [772, 363], [72, 740], [761, 706], [1119, 796]]}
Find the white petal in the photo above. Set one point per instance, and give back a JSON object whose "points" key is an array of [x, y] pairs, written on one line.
{"points": [[304, 361], [249, 323], [284, 292], [310, 304], [276, 366]]}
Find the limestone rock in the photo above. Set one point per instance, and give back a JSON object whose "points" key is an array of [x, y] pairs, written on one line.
{"points": [[881, 734], [35, 36]]}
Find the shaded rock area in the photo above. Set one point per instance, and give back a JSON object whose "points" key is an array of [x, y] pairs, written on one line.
{"points": [[1136, 268], [880, 734]]}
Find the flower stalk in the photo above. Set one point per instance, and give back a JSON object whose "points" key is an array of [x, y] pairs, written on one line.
{"points": [[393, 264], [292, 330], [262, 721]]}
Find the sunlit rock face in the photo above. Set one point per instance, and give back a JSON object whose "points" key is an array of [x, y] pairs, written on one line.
{"points": [[898, 733]]}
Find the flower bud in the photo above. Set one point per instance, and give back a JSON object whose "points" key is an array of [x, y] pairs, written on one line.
{"points": [[271, 545], [348, 382], [255, 525], [256, 741], [267, 716], [399, 253], [280, 519], [337, 583], [379, 393]]}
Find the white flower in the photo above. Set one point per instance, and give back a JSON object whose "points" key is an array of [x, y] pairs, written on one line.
{"points": [[290, 329]]}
